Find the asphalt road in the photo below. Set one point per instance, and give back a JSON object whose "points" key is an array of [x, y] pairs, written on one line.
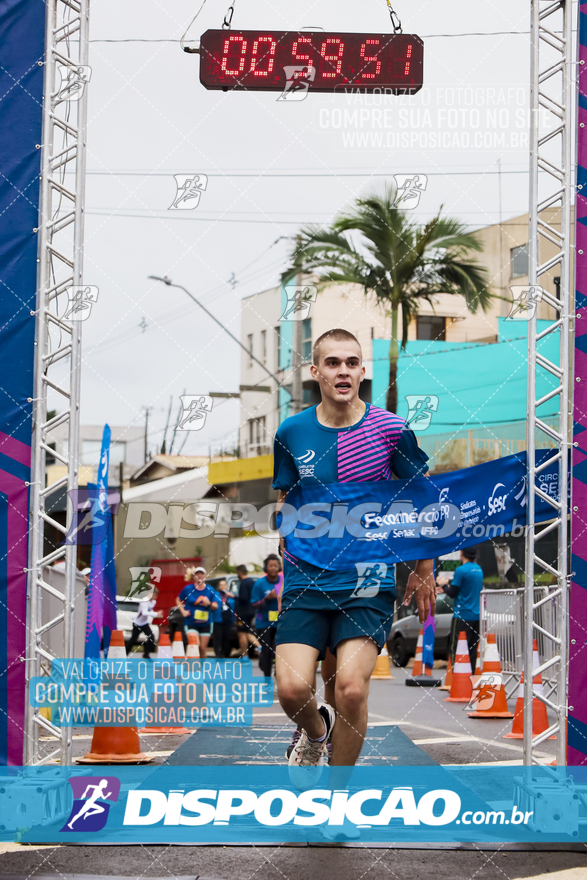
{"points": [[285, 863]]}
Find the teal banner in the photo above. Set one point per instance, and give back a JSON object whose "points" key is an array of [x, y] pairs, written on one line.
{"points": [[227, 805]]}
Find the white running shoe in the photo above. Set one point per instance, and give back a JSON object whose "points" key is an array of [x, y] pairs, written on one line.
{"points": [[309, 753], [308, 757]]}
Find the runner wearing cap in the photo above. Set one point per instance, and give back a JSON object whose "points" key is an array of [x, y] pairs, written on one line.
{"points": [[196, 602], [341, 440]]}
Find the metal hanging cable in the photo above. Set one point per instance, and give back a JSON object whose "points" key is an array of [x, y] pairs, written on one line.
{"points": [[181, 42], [227, 23], [395, 20]]}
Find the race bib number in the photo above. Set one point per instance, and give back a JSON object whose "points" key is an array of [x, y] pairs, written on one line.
{"points": [[201, 615], [273, 615]]}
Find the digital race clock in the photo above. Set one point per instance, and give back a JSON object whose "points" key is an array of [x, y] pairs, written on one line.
{"points": [[322, 62]]}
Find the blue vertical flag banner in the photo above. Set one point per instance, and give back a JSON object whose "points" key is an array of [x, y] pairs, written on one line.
{"points": [[22, 38], [101, 618], [428, 642]]}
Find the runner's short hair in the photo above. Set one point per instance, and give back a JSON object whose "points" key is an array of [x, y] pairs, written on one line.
{"points": [[470, 553], [271, 558], [242, 569], [337, 334]]}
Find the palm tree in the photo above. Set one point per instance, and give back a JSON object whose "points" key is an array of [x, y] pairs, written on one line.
{"points": [[398, 261]]}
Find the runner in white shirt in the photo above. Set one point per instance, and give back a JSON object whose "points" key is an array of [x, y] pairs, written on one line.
{"points": [[141, 624]]}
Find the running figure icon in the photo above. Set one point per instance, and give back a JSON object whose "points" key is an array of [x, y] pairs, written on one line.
{"points": [[91, 807]]}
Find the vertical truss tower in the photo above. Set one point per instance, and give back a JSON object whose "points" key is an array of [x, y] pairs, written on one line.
{"points": [[58, 341], [552, 99]]}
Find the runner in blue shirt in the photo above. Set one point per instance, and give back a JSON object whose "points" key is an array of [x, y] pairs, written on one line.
{"points": [[222, 619], [342, 439], [465, 588], [264, 599], [196, 602]]}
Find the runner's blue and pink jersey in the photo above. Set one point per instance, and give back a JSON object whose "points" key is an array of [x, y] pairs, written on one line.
{"points": [[308, 453]]}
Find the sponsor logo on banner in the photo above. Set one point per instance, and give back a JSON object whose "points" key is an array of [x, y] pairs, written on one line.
{"points": [[496, 501], [90, 806]]}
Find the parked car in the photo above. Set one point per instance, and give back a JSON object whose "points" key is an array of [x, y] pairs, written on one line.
{"points": [[126, 609], [231, 579], [404, 631]]}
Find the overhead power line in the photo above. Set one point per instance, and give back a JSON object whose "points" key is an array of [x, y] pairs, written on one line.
{"points": [[277, 221], [424, 37], [331, 174]]}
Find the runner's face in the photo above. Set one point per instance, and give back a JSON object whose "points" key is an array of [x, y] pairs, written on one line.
{"points": [[273, 569], [199, 578], [340, 371]]}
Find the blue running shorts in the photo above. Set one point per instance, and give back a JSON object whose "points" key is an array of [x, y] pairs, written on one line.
{"points": [[324, 619]]}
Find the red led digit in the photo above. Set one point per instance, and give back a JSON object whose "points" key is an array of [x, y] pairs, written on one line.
{"points": [[270, 55], [408, 55], [368, 58], [336, 60], [294, 50], [232, 40]]}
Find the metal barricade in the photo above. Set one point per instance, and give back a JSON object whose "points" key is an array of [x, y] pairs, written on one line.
{"points": [[502, 613]]}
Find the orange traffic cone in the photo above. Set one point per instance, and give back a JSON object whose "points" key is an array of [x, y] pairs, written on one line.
{"points": [[165, 652], [461, 689], [475, 679], [177, 649], [193, 650], [382, 665], [491, 700], [448, 678], [477, 673], [115, 745], [539, 715], [418, 665]]}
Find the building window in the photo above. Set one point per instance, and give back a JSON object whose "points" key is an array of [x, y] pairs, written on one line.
{"points": [[264, 346], [258, 436], [277, 331], [250, 348], [519, 261], [306, 339], [431, 327]]}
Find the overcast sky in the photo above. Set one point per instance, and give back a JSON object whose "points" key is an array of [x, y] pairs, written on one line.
{"points": [[150, 118]]}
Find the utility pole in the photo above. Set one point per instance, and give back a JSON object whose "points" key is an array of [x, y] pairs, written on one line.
{"points": [[147, 411], [297, 387]]}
